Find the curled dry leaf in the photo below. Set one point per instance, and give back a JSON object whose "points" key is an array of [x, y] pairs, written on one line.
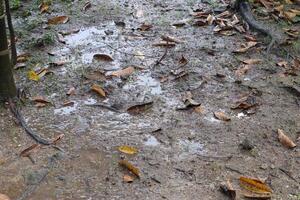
{"points": [[44, 7], [123, 72], [246, 47], [130, 167], [71, 91], [285, 140], [127, 149], [40, 99], [165, 44], [145, 27], [168, 38], [26, 152], [252, 61], [87, 6], [222, 116], [68, 103], [228, 190], [103, 57], [97, 88], [32, 75], [4, 197], [128, 178], [242, 70], [58, 20], [254, 185]]}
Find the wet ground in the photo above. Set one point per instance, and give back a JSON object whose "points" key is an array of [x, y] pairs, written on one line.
{"points": [[182, 153]]}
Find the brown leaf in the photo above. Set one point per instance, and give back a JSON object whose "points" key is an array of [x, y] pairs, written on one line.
{"points": [[26, 152], [228, 189], [222, 116], [254, 185], [4, 197], [44, 7], [95, 76], [103, 57], [97, 88], [40, 99], [130, 167], [246, 103], [282, 64], [56, 64], [128, 179], [256, 196], [165, 44], [183, 61], [242, 70], [58, 20], [139, 108], [252, 61], [170, 39], [285, 140], [68, 103], [23, 57], [123, 72], [246, 47], [199, 109], [145, 27], [71, 91]]}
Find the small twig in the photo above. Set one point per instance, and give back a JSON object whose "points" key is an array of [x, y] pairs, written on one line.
{"points": [[289, 175], [162, 57]]}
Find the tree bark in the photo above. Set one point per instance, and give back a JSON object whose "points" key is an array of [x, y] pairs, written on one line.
{"points": [[7, 83], [11, 33]]}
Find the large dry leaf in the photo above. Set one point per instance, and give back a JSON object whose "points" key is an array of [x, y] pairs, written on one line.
{"points": [[130, 167], [222, 116], [127, 149], [103, 57], [254, 185], [98, 89], [123, 72], [285, 140], [58, 20], [26, 152], [4, 197]]}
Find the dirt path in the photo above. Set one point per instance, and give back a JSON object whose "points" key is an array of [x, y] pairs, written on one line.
{"points": [[183, 153]]}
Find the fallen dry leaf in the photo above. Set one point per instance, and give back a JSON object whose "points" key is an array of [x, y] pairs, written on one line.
{"points": [[4, 197], [246, 102], [139, 108], [285, 140], [256, 196], [103, 57], [228, 189], [127, 149], [282, 64], [32, 75], [128, 179], [130, 167], [246, 47], [58, 20], [71, 91], [199, 109], [123, 72], [242, 70], [87, 6], [252, 61], [183, 61], [254, 185], [40, 99], [145, 27], [23, 57], [95, 76], [44, 7], [26, 152], [68, 103], [222, 116], [97, 88], [170, 39]]}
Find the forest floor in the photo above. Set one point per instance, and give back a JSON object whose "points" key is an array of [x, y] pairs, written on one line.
{"points": [[198, 113]]}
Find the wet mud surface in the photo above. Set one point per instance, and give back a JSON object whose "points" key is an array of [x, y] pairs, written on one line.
{"points": [[182, 153]]}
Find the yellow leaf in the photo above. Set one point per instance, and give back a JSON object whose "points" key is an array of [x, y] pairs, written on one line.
{"points": [[127, 149], [130, 167], [97, 88], [33, 76], [254, 185]]}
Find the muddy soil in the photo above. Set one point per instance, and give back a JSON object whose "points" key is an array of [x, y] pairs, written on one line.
{"points": [[182, 153]]}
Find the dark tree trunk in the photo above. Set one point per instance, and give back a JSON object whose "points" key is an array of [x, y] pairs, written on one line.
{"points": [[7, 83], [11, 33]]}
